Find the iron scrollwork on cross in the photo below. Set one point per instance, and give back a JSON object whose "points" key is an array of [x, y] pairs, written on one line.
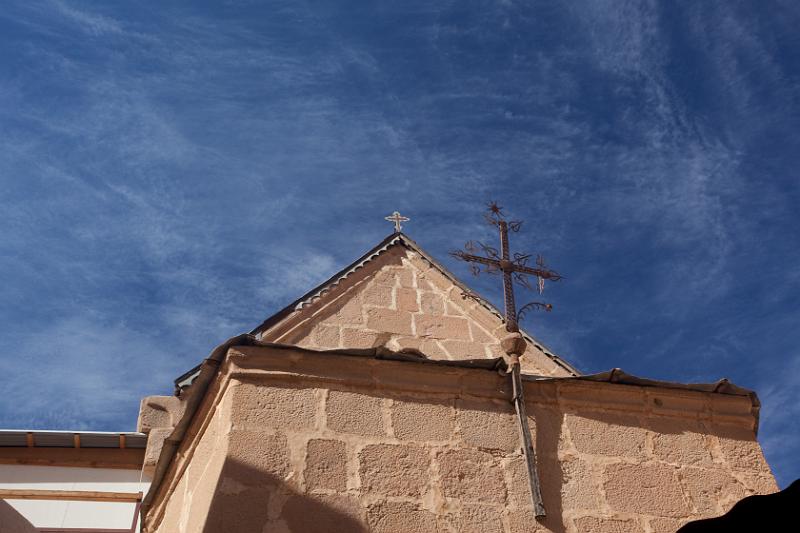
{"points": [[514, 268]]}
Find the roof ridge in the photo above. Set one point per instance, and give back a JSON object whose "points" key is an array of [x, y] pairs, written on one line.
{"points": [[326, 285], [375, 251]]}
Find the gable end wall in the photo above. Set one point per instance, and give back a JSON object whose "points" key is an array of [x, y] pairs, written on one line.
{"points": [[399, 301]]}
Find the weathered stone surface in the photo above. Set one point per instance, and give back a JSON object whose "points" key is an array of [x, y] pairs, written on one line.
{"points": [[485, 424], [489, 384], [471, 476], [723, 405], [350, 370], [349, 412], [486, 318], [208, 451], [548, 366], [712, 491], [423, 420], [358, 338], [513, 343], [676, 402], [389, 321], [203, 486], [433, 279], [680, 441], [349, 312], [591, 524], [246, 510], [538, 393], [741, 450], [394, 517], [578, 486], [464, 349], [523, 521], [420, 264], [431, 303], [602, 395], [518, 487], [480, 335], [569, 482], [651, 489], [326, 465], [257, 406], [155, 443], [666, 525], [394, 470], [476, 519], [405, 276], [433, 349], [442, 327], [173, 512], [441, 381], [158, 412], [412, 343], [759, 484], [457, 302], [256, 457], [321, 513], [600, 433], [326, 336], [377, 294], [407, 300], [497, 351], [386, 276]]}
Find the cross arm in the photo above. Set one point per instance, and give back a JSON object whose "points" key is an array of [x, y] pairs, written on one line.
{"points": [[475, 259], [544, 274]]}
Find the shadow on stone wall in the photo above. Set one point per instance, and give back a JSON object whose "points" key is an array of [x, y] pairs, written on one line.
{"points": [[665, 466], [548, 434], [13, 522], [245, 498]]}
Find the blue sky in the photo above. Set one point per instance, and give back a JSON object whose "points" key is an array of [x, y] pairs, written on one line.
{"points": [[173, 172]]}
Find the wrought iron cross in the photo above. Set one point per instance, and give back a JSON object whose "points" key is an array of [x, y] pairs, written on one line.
{"points": [[397, 218], [515, 269]]}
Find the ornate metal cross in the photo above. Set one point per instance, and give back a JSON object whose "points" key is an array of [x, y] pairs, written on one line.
{"points": [[515, 269], [397, 218]]}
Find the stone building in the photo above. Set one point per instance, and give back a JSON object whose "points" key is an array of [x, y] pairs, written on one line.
{"points": [[379, 401]]}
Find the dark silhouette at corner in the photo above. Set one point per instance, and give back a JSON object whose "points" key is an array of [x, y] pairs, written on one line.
{"points": [[772, 512]]}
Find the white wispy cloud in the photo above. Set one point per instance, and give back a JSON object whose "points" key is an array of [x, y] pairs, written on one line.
{"points": [[93, 23], [83, 372]]}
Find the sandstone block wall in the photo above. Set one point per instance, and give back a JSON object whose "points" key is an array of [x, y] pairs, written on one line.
{"points": [[400, 301], [403, 447], [157, 417]]}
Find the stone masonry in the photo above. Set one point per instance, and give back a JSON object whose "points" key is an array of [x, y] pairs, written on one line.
{"points": [[401, 301], [291, 440]]}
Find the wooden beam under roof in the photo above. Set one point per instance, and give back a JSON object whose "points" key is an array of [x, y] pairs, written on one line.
{"points": [[70, 495]]}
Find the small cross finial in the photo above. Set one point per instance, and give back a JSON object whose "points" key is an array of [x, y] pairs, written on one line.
{"points": [[397, 218]]}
